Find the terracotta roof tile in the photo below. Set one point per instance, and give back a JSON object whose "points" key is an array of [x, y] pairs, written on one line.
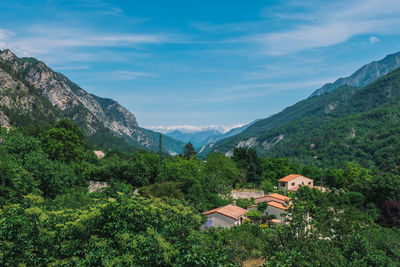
{"points": [[277, 205], [279, 196], [291, 177], [229, 210]]}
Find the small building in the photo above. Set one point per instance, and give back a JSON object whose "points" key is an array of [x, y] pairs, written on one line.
{"points": [[292, 182], [99, 154], [277, 209], [226, 216], [277, 205]]}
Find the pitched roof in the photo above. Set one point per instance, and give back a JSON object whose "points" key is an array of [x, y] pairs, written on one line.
{"points": [[229, 210], [277, 205], [275, 221], [291, 177], [279, 196]]}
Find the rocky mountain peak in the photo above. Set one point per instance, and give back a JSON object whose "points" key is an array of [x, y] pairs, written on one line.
{"points": [[364, 75], [95, 115], [6, 54]]}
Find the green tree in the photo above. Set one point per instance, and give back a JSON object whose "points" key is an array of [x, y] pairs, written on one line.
{"points": [[223, 167], [189, 151], [247, 159], [62, 144], [255, 215]]}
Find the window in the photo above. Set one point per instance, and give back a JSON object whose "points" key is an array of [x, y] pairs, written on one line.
{"points": [[302, 183], [309, 183], [293, 184], [282, 184]]}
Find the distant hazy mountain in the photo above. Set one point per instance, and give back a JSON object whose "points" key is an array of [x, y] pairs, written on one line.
{"points": [[238, 130], [364, 75], [198, 139], [209, 144], [31, 92]]}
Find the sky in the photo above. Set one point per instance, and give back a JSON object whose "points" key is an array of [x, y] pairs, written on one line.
{"points": [[197, 65]]}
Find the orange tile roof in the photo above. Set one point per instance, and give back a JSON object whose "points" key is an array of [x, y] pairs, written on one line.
{"points": [[279, 196], [275, 221], [229, 210], [277, 205], [291, 177]]}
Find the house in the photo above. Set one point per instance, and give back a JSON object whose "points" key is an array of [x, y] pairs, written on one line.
{"points": [[99, 154], [292, 182], [277, 209], [277, 205], [226, 216]]}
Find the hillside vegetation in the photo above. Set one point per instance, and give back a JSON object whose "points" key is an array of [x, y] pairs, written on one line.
{"points": [[48, 217], [347, 124]]}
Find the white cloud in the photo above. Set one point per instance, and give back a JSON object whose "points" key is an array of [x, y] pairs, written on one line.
{"points": [[192, 128], [348, 20], [77, 67], [43, 40], [373, 39], [119, 75]]}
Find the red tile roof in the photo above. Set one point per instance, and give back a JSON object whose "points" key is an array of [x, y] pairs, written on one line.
{"points": [[291, 177], [273, 196], [277, 205], [275, 221], [229, 210], [279, 196]]}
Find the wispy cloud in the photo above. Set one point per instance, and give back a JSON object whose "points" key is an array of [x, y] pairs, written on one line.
{"points": [[40, 40], [374, 39], [77, 67], [349, 19], [123, 75]]}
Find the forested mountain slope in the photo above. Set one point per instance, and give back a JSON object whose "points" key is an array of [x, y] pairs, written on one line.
{"points": [[318, 104], [28, 84], [343, 125]]}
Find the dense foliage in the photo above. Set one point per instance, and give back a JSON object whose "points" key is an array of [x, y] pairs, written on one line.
{"points": [[48, 217]]}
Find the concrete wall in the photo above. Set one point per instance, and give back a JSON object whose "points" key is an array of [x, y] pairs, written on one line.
{"points": [[275, 211], [246, 194], [96, 186], [283, 186], [221, 220]]}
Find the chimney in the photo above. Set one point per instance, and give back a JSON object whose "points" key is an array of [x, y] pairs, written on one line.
{"points": [[234, 203]]}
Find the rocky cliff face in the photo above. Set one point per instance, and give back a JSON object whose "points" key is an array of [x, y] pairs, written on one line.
{"points": [[90, 112], [364, 75]]}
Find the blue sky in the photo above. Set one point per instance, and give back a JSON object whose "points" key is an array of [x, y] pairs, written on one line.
{"points": [[201, 64]]}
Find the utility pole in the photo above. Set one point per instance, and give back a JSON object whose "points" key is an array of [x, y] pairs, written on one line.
{"points": [[160, 161]]}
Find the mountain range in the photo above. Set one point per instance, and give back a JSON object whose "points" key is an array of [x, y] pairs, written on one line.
{"points": [[202, 139], [198, 139], [332, 121], [31, 92]]}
